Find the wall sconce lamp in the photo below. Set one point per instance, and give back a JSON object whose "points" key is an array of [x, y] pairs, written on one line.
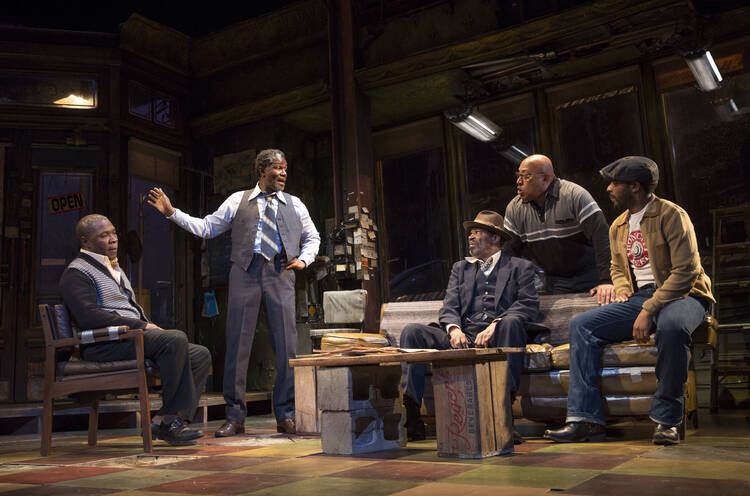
{"points": [[471, 121], [704, 69]]}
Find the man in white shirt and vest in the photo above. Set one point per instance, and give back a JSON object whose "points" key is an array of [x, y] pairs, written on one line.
{"points": [[272, 236]]}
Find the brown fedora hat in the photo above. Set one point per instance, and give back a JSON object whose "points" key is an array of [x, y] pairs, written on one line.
{"points": [[489, 221]]}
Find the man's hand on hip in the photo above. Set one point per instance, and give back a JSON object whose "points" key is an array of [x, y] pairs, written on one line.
{"points": [[296, 264], [458, 339]]}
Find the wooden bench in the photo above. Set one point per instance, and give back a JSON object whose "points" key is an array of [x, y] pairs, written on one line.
{"points": [[556, 312]]}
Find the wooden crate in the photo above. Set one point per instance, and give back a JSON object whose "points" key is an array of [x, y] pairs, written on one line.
{"points": [[472, 408], [307, 413]]}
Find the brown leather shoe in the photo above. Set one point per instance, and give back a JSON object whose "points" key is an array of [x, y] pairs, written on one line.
{"points": [[230, 429], [286, 426]]}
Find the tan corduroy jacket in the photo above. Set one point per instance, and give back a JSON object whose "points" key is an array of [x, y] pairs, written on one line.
{"points": [[673, 254]]}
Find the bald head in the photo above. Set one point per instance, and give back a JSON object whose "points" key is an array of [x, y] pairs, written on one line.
{"points": [[534, 176], [539, 164]]}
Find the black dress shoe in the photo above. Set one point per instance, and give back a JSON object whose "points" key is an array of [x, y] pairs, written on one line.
{"points": [[230, 428], [665, 435], [517, 437], [177, 433], [415, 428], [577, 432], [286, 426]]}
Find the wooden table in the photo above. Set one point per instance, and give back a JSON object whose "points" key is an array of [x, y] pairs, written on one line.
{"points": [[472, 402]]}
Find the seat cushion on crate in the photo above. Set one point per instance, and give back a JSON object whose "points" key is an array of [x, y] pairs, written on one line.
{"points": [[615, 355], [543, 409], [340, 341], [537, 357], [613, 381]]}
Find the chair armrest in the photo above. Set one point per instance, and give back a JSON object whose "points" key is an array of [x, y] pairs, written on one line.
{"points": [[101, 335], [112, 333]]}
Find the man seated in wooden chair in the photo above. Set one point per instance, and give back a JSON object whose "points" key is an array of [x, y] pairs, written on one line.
{"points": [[98, 294]]}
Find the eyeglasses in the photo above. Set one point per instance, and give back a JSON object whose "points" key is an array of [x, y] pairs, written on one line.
{"points": [[526, 176]]}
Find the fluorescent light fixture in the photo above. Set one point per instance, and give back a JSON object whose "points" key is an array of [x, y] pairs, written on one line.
{"points": [[514, 154], [704, 70], [469, 120]]}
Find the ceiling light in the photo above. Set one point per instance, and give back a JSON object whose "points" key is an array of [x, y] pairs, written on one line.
{"points": [[704, 69]]}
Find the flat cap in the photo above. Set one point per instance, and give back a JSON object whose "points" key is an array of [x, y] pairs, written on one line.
{"points": [[634, 168]]}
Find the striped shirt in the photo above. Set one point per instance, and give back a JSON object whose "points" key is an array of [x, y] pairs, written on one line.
{"points": [[567, 237]]}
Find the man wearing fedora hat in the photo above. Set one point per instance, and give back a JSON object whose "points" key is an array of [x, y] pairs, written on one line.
{"points": [[489, 298], [660, 287]]}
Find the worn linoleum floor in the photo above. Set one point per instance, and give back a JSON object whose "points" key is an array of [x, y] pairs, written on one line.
{"points": [[714, 460]]}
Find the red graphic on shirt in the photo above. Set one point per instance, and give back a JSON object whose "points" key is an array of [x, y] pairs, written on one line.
{"points": [[637, 251]]}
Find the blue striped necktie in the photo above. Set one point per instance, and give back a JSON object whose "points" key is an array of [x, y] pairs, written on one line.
{"points": [[269, 235]]}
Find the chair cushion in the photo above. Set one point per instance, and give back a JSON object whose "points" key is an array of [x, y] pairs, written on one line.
{"points": [[72, 368]]}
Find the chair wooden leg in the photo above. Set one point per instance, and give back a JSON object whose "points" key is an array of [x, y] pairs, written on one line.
{"points": [[93, 422], [145, 415], [46, 433]]}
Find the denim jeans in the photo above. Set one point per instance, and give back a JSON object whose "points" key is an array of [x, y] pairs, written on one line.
{"points": [[613, 323]]}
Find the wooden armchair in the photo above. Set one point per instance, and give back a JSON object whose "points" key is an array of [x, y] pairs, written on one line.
{"points": [[64, 377]]}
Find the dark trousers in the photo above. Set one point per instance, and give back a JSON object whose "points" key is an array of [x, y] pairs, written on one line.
{"points": [[268, 283], [613, 323], [183, 366], [509, 332]]}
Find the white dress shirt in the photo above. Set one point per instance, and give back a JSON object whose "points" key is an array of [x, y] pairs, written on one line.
{"points": [[220, 221]]}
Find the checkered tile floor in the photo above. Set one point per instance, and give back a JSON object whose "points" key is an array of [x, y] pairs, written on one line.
{"points": [[713, 460]]}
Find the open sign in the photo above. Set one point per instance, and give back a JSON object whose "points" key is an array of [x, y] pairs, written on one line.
{"points": [[65, 203]]}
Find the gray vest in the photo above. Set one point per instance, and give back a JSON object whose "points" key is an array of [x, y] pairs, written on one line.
{"points": [[110, 296], [245, 228]]}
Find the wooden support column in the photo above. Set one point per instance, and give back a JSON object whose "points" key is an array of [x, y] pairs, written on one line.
{"points": [[353, 164]]}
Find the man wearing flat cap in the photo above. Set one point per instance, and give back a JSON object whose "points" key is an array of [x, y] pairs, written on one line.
{"points": [[660, 287], [489, 299]]}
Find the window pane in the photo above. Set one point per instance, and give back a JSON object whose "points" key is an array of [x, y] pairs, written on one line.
{"points": [[163, 112], [139, 101], [156, 265], [48, 91], [597, 121], [710, 144], [416, 216], [63, 200]]}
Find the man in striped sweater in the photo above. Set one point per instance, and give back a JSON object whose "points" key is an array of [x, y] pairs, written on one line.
{"points": [[98, 294], [558, 225]]}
